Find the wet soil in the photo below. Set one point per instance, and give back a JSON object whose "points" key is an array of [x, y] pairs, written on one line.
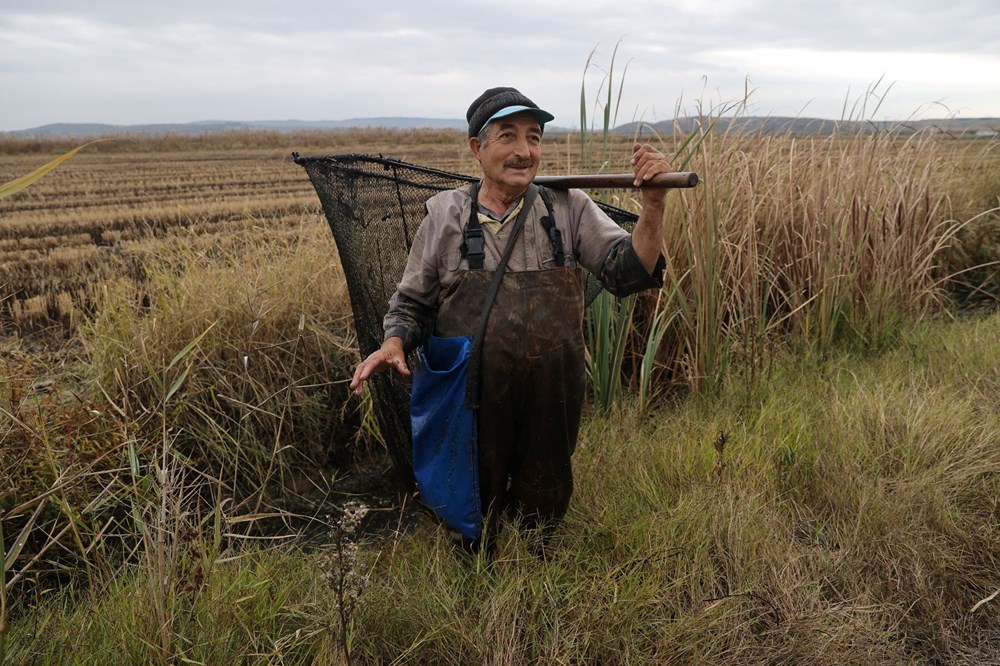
{"points": [[310, 518]]}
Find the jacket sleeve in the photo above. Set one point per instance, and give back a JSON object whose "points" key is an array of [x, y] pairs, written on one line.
{"points": [[412, 306], [408, 319], [622, 273], [605, 249]]}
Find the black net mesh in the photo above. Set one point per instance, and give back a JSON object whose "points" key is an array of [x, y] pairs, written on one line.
{"points": [[374, 206]]}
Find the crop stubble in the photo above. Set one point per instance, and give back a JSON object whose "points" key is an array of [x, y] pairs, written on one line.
{"points": [[105, 212]]}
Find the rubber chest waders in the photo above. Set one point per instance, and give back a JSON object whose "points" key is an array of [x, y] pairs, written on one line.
{"points": [[513, 452]]}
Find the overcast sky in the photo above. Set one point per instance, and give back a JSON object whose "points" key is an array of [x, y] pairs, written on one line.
{"points": [[127, 61]]}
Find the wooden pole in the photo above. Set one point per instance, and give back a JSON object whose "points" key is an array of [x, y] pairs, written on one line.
{"points": [[680, 179]]}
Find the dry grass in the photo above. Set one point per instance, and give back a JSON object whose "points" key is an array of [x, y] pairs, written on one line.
{"points": [[848, 515], [222, 389]]}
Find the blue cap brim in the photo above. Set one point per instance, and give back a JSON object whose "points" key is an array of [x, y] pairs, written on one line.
{"points": [[542, 116]]}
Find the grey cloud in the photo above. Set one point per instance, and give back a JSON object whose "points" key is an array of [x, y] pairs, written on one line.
{"points": [[187, 60]]}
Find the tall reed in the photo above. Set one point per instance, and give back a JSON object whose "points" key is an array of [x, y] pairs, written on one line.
{"points": [[823, 239], [609, 320]]}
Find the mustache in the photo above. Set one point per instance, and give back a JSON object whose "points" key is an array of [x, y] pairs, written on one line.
{"points": [[518, 164]]}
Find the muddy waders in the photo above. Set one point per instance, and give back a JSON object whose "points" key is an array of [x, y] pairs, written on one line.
{"points": [[511, 455]]}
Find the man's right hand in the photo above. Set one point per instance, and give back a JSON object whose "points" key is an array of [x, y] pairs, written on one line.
{"points": [[389, 355]]}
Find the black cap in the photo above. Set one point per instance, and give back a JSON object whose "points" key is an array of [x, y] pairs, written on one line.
{"points": [[495, 102]]}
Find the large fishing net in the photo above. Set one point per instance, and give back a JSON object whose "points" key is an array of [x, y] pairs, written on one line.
{"points": [[374, 206]]}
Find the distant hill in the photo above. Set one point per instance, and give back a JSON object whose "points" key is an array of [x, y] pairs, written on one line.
{"points": [[981, 126], [771, 124], [207, 126]]}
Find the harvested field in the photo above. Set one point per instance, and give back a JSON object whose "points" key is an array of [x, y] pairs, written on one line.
{"points": [[104, 212]]}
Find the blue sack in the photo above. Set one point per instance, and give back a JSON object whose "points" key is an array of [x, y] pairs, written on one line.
{"points": [[445, 457]]}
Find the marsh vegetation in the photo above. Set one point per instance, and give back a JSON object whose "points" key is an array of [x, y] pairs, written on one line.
{"points": [[802, 467]]}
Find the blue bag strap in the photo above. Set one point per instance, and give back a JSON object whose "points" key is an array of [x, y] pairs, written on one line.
{"points": [[472, 385]]}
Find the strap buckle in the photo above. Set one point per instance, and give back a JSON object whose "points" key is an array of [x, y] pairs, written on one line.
{"points": [[475, 247]]}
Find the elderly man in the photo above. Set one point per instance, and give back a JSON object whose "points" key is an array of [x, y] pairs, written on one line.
{"points": [[532, 368]]}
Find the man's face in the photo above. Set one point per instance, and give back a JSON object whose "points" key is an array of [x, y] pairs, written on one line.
{"points": [[512, 152]]}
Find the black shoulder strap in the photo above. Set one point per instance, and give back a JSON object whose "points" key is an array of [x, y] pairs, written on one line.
{"points": [[474, 247], [472, 381], [549, 224]]}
